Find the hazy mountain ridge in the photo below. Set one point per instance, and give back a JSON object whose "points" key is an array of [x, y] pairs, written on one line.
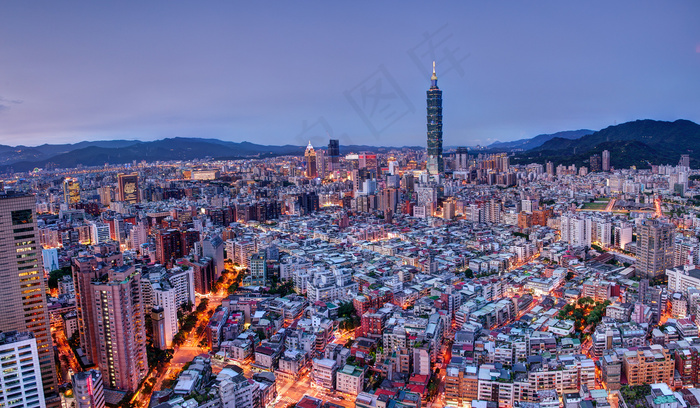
{"points": [[539, 140], [179, 148], [637, 143]]}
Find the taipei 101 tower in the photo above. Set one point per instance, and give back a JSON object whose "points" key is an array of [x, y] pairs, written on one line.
{"points": [[435, 163]]}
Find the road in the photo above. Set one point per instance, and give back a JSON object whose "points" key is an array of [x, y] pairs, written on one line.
{"points": [[611, 205], [657, 208], [66, 356], [291, 392], [190, 348]]}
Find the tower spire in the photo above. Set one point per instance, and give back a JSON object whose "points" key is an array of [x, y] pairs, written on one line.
{"points": [[433, 79]]}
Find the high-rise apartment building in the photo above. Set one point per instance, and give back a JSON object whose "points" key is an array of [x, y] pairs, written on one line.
{"points": [[86, 269], [21, 375], [128, 188], [606, 160], [595, 163], [462, 159], [174, 244], [105, 193], [119, 328], [23, 306], [310, 157], [648, 365], [165, 296], [321, 163], [654, 248], [88, 389], [258, 269], [434, 98]]}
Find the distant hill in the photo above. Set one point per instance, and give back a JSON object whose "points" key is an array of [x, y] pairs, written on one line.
{"points": [[639, 143], [539, 140], [22, 158], [13, 154]]}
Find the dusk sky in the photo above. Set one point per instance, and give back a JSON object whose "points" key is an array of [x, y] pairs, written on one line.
{"points": [[291, 71]]}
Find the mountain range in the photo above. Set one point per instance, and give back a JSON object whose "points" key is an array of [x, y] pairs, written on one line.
{"points": [[539, 140], [23, 158], [639, 143]]}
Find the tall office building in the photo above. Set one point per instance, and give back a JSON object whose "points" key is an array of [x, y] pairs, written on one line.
{"points": [[595, 163], [310, 156], [654, 248], [128, 188], [684, 161], [23, 306], [88, 389], [119, 328], [606, 160], [435, 161], [71, 191], [20, 377], [333, 155], [321, 163], [462, 159]]}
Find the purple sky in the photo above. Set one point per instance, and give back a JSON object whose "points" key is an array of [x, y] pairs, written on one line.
{"points": [[356, 71]]}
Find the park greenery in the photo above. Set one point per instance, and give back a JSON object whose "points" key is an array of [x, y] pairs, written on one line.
{"points": [[189, 321], [347, 315], [585, 312]]}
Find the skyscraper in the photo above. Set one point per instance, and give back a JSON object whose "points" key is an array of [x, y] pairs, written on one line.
{"points": [[595, 163], [119, 328], [23, 306], [128, 188], [434, 99], [462, 159], [71, 191], [606, 160], [310, 156], [654, 248], [333, 155]]}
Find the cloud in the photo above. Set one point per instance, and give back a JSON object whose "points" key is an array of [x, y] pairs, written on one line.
{"points": [[5, 104]]}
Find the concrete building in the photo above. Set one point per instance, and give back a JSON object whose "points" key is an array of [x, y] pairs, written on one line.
{"points": [[88, 389], [324, 372], [164, 295], [23, 307], [258, 269], [21, 374], [648, 365], [654, 248], [119, 328], [350, 379]]}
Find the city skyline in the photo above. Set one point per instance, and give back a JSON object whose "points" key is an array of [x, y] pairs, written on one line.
{"points": [[511, 71]]}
